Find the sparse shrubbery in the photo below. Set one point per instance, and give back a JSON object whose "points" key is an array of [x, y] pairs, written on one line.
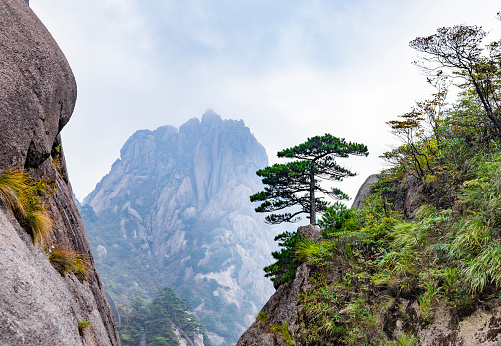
{"points": [[440, 256], [82, 327], [284, 269]]}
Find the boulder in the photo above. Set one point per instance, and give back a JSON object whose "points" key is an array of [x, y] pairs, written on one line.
{"points": [[311, 232], [37, 88]]}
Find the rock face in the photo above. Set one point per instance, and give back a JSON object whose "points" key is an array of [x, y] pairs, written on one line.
{"points": [[281, 309], [364, 191], [37, 96], [37, 88], [176, 204]]}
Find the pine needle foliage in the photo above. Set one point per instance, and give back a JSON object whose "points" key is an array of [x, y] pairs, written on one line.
{"points": [[295, 184], [23, 196], [284, 269]]}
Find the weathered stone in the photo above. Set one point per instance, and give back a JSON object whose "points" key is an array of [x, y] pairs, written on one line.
{"points": [[407, 196], [364, 191], [38, 306], [37, 87], [281, 309], [310, 232]]}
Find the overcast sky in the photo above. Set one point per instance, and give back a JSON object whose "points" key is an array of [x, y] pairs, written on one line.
{"points": [[290, 69]]}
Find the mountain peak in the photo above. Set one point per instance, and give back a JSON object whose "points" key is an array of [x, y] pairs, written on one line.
{"points": [[210, 117]]}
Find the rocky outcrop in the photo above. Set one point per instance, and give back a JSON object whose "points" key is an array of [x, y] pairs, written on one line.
{"points": [[37, 97], [481, 328], [407, 197], [280, 310], [310, 232], [176, 204], [280, 320], [37, 88], [364, 191], [284, 320]]}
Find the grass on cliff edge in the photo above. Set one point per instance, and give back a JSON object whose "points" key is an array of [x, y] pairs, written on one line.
{"points": [[65, 260], [22, 195]]}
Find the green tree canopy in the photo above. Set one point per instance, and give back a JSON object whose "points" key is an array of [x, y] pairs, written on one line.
{"points": [[294, 184]]}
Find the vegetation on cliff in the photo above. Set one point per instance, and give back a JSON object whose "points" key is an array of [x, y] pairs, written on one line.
{"points": [[24, 197], [430, 232]]}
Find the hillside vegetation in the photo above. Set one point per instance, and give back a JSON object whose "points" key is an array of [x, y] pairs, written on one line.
{"points": [[430, 231]]}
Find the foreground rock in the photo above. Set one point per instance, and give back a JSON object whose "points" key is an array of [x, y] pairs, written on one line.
{"points": [[364, 191], [38, 306], [281, 321]]}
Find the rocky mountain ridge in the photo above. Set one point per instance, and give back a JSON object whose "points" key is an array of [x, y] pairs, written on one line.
{"points": [[177, 201]]}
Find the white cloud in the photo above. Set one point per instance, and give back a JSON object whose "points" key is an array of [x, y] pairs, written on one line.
{"points": [[290, 69]]}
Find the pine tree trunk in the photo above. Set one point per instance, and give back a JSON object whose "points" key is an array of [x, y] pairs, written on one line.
{"points": [[313, 206]]}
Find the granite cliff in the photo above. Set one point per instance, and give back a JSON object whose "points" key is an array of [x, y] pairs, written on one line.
{"points": [[39, 306], [174, 211]]}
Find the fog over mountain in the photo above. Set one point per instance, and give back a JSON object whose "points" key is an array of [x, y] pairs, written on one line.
{"points": [[175, 211]]}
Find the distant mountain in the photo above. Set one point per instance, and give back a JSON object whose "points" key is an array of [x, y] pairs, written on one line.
{"points": [[175, 211]]}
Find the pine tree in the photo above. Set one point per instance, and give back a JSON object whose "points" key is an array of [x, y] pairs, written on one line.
{"points": [[295, 183]]}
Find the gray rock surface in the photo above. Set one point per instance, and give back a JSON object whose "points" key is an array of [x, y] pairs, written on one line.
{"points": [[310, 231], [406, 198], [37, 87], [282, 309], [180, 200], [481, 328], [38, 306], [364, 191]]}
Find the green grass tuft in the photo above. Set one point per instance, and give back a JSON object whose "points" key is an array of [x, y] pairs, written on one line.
{"points": [[82, 327]]}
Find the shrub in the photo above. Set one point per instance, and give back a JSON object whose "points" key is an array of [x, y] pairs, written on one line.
{"points": [[404, 339], [284, 269], [262, 317], [335, 218]]}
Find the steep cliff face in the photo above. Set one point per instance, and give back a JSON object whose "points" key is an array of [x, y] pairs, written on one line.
{"points": [[177, 205], [37, 97]]}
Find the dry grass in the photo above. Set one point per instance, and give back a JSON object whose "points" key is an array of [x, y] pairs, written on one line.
{"points": [[65, 260], [19, 193]]}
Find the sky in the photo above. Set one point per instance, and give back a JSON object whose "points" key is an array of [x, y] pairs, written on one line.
{"points": [[290, 69]]}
